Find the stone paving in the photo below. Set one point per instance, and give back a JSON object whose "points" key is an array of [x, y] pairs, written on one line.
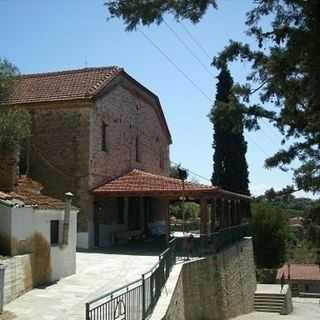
{"points": [[303, 309], [97, 273]]}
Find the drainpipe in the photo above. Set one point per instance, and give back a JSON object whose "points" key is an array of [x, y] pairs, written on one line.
{"points": [[66, 222], [2, 270]]}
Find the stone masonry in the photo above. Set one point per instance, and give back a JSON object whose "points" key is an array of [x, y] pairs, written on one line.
{"points": [[216, 288], [66, 152]]}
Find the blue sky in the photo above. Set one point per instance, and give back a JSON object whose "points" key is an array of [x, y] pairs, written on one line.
{"points": [[41, 36]]}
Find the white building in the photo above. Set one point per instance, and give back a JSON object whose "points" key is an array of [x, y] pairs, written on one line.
{"points": [[40, 228]]}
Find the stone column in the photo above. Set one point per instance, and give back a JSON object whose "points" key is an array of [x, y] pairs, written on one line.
{"points": [[203, 216]]}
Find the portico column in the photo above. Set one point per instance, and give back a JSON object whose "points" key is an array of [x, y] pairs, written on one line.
{"points": [[203, 216], [213, 214]]}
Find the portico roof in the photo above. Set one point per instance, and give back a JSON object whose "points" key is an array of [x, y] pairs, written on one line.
{"points": [[141, 183]]}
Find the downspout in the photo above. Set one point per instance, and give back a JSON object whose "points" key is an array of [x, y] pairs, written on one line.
{"points": [[66, 222]]}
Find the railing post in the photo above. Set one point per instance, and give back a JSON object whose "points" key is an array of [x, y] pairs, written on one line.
{"points": [[143, 298], [87, 311]]}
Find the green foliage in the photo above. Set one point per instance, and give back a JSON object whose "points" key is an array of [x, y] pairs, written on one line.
{"points": [[266, 276], [7, 73], [269, 228], [191, 210], [134, 12], [230, 169], [285, 72], [15, 125]]}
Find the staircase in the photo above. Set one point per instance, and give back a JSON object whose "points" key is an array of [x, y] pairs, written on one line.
{"points": [[269, 302]]}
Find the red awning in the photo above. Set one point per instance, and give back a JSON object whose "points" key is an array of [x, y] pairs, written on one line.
{"points": [[141, 183]]}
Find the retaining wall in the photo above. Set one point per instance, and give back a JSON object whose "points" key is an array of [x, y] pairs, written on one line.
{"points": [[216, 288], [17, 277]]}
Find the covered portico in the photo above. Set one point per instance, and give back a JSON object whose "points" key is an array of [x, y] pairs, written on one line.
{"points": [[139, 199]]}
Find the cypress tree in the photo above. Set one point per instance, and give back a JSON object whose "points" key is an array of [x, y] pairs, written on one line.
{"points": [[230, 169]]}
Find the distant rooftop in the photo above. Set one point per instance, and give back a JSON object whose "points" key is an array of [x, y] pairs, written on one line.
{"points": [[300, 272]]}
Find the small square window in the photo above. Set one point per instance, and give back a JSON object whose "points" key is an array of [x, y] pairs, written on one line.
{"points": [[54, 232]]}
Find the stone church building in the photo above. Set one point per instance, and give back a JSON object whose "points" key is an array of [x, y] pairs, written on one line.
{"points": [[88, 127], [102, 135]]}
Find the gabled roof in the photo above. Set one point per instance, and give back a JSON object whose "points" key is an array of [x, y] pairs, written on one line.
{"points": [[62, 85], [300, 272], [71, 85], [140, 183], [28, 192]]}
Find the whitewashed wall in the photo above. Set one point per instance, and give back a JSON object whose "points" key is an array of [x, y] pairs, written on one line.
{"points": [[26, 221]]}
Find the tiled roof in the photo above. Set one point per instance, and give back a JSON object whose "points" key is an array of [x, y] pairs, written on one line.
{"points": [[138, 181], [300, 272], [62, 85], [68, 85], [29, 192]]}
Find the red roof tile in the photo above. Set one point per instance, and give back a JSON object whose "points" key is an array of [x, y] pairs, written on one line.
{"points": [[29, 192], [68, 85], [138, 181], [300, 272], [63, 85]]}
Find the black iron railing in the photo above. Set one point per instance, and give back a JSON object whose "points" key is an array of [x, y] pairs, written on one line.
{"points": [[136, 300]]}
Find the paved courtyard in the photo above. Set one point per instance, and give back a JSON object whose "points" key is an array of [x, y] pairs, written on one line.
{"points": [[97, 273], [303, 308]]}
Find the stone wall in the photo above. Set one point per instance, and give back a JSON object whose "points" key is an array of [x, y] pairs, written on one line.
{"points": [[128, 114], [218, 287], [65, 148], [17, 277], [59, 153]]}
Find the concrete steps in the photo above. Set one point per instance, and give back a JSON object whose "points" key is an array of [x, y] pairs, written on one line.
{"points": [[269, 302]]}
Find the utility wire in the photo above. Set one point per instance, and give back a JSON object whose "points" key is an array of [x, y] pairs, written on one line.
{"points": [[202, 48], [205, 68], [192, 172], [198, 44], [176, 66], [187, 77]]}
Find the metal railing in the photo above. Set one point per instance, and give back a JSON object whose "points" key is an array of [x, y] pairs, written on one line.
{"points": [[136, 300], [201, 245]]}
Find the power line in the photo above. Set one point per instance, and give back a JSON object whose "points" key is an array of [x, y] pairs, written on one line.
{"points": [[176, 66], [192, 172], [188, 49], [188, 78], [198, 44]]}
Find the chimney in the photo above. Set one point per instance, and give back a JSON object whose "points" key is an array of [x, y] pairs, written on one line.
{"points": [[66, 222], [8, 171]]}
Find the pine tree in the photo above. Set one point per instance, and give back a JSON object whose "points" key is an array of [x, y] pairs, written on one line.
{"points": [[230, 169]]}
